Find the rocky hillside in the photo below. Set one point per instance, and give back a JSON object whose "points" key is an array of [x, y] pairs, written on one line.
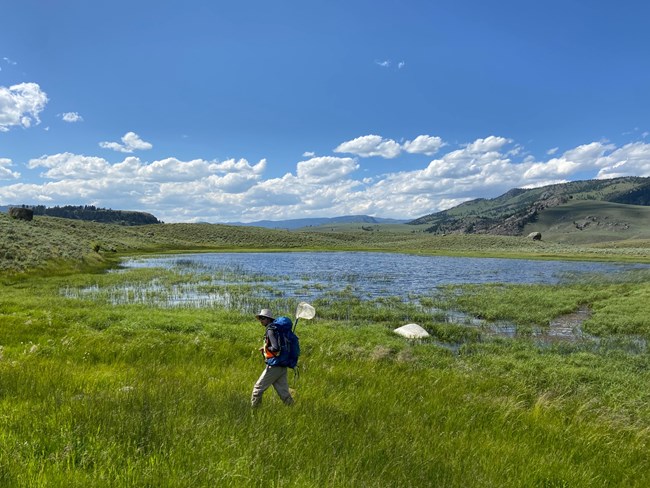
{"points": [[509, 213]]}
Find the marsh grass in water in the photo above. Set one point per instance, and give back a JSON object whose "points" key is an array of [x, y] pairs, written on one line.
{"points": [[93, 394], [619, 305], [454, 314], [171, 288]]}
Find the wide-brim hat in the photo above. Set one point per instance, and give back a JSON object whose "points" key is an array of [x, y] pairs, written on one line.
{"points": [[265, 312]]}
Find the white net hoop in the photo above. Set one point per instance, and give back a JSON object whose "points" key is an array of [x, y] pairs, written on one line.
{"points": [[305, 311]]}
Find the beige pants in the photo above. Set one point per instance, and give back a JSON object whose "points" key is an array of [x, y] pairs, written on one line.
{"points": [[276, 376]]}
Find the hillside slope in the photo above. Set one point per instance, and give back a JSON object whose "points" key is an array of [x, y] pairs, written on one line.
{"points": [[586, 222], [512, 212]]}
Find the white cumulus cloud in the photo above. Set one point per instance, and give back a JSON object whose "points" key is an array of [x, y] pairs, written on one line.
{"points": [[72, 117], [20, 105], [5, 172], [65, 165], [130, 142], [424, 144], [587, 154], [325, 169], [554, 167], [238, 166], [172, 169], [490, 143], [630, 160], [374, 145], [371, 145]]}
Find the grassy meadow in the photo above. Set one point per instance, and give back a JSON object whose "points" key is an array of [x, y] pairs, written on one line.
{"points": [[97, 394]]}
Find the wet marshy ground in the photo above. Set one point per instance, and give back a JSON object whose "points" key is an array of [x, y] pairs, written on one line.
{"points": [[248, 281]]}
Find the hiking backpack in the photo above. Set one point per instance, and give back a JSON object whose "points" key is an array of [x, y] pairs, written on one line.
{"points": [[289, 344]]}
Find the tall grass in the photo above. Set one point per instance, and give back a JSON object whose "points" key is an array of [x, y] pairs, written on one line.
{"points": [[168, 411], [93, 394], [618, 307]]}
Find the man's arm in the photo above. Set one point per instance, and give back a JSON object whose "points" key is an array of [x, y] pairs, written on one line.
{"points": [[273, 344]]}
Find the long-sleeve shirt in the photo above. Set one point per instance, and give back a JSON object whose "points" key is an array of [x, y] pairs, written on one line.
{"points": [[271, 342]]}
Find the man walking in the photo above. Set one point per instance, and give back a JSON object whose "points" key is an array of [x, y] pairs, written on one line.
{"points": [[272, 375]]}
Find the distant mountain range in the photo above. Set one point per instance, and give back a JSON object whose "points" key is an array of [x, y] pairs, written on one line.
{"points": [[292, 224], [516, 210]]}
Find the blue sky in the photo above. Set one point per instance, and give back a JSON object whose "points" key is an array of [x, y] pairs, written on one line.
{"points": [[241, 111]]}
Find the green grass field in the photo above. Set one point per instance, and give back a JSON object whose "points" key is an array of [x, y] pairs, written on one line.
{"points": [[99, 395], [96, 394], [589, 221]]}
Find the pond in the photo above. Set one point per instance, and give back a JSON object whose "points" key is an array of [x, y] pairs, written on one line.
{"points": [[371, 275]]}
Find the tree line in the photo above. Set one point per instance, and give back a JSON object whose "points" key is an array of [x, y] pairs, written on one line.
{"points": [[96, 214]]}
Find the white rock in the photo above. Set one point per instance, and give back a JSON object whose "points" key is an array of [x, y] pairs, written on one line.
{"points": [[412, 331]]}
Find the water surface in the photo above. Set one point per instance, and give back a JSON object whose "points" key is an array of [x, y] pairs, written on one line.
{"points": [[372, 274]]}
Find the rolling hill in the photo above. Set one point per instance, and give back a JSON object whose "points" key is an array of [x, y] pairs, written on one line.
{"points": [[588, 222], [587, 211]]}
